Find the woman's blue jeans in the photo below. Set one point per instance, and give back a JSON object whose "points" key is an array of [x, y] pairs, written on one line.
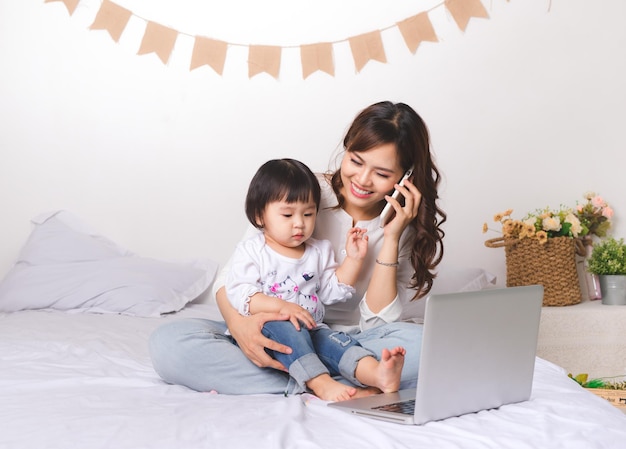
{"points": [[198, 354], [316, 351]]}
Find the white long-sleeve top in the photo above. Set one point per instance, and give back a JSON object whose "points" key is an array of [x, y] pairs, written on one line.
{"points": [[333, 224], [309, 281]]}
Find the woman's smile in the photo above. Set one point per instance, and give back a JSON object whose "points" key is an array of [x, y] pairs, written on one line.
{"points": [[359, 192]]}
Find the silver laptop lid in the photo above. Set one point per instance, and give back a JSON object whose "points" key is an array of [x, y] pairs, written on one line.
{"points": [[478, 351]]}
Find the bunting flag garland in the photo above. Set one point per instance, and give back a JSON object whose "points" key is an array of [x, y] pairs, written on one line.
{"points": [[158, 39], [314, 57], [365, 47], [464, 10], [112, 18], [417, 29], [263, 58], [209, 52]]}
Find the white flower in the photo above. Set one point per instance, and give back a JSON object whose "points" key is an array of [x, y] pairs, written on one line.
{"points": [[575, 222], [551, 224]]}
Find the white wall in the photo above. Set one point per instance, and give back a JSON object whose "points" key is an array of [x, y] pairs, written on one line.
{"points": [[526, 110]]}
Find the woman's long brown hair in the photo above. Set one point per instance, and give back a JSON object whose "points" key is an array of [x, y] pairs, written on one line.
{"points": [[398, 124]]}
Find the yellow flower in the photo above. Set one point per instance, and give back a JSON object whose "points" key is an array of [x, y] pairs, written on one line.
{"points": [[508, 228], [527, 230], [542, 236]]}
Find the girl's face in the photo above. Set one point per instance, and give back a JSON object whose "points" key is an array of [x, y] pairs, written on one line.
{"points": [[368, 176], [288, 225]]}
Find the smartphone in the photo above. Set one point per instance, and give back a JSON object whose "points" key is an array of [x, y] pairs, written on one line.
{"points": [[385, 215]]}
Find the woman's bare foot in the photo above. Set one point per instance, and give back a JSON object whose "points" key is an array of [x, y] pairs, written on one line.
{"points": [[383, 374], [389, 369]]}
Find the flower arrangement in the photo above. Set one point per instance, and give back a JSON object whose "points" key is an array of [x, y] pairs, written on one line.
{"points": [[608, 257], [590, 218], [594, 215]]}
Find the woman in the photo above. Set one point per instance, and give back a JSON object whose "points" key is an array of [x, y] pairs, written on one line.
{"points": [[383, 142]]}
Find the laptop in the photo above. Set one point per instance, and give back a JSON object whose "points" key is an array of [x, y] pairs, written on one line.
{"points": [[478, 353]]}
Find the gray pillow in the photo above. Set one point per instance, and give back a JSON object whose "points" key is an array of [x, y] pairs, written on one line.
{"points": [[65, 266]]}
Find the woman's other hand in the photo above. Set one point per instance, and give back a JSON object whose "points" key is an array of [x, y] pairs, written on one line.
{"points": [[246, 330]]}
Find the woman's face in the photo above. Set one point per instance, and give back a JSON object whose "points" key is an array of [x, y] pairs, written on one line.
{"points": [[368, 176]]}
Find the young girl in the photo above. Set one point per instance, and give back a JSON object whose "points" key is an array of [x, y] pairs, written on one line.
{"points": [[383, 141], [284, 270]]}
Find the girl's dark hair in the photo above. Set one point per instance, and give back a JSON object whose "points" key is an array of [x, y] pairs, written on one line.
{"points": [[277, 180], [398, 124]]}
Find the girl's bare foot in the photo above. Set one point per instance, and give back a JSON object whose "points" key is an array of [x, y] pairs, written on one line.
{"points": [[328, 389], [367, 391]]}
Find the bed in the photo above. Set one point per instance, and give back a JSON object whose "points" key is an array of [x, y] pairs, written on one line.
{"points": [[75, 370]]}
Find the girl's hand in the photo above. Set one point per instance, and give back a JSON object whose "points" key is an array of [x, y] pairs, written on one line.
{"points": [[404, 214], [356, 243], [297, 314]]}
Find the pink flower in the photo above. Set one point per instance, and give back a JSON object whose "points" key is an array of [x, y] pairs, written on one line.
{"points": [[607, 212], [598, 201]]}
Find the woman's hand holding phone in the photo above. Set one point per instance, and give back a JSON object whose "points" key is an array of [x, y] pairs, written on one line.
{"points": [[386, 214]]}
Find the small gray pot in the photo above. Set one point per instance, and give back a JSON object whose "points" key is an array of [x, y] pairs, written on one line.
{"points": [[613, 288]]}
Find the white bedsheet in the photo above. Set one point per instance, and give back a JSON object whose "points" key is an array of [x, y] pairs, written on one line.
{"points": [[85, 381]]}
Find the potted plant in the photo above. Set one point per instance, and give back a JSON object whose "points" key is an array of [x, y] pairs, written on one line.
{"points": [[608, 261]]}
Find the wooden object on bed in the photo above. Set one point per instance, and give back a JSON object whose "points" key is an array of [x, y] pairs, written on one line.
{"points": [[615, 397], [589, 337]]}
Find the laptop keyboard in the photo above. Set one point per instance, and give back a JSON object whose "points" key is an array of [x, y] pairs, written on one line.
{"points": [[407, 407]]}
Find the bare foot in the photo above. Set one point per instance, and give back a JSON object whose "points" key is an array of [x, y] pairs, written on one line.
{"points": [[367, 391], [389, 369], [383, 374], [328, 389]]}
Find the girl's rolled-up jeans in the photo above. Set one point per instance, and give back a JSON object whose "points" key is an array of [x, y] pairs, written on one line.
{"points": [[316, 351]]}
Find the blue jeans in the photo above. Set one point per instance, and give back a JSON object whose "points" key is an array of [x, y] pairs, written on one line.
{"points": [[316, 351], [198, 354]]}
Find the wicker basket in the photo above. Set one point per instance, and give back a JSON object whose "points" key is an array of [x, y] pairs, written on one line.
{"points": [[552, 264]]}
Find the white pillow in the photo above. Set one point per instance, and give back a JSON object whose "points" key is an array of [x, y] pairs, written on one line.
{"points": [[450, 279], [66, 266]]}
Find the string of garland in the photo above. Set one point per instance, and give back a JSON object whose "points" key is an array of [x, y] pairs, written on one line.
{"points": [[160, 39]]}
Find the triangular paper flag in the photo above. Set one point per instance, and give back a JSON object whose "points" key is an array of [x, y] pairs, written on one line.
{"points": [[365, 47], [464, 10], [316, 57], [112, 18], [69, 4], [210, 52], [158, 39], [264, 58], [416, 30]]}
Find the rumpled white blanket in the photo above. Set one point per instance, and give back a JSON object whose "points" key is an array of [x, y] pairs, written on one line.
{"points": [[86, 381]]}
